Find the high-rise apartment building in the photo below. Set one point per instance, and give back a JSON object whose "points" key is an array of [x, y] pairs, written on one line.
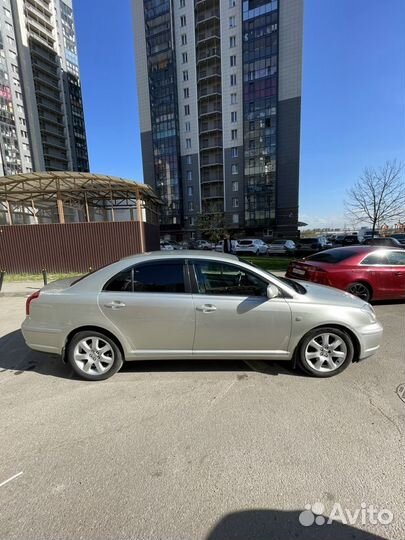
{"points": [[41, 110], [219, 89]]}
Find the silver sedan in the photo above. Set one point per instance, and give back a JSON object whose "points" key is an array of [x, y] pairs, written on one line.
{"points": [[194, 305]]}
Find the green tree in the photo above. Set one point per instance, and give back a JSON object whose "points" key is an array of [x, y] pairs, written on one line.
{"points": [[212, 226]]}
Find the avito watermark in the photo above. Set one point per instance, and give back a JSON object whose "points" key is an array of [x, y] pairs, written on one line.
{"points": [[367, 513]]}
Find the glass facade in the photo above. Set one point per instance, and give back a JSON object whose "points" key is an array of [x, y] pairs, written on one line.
{"points": [[260, 82], [163, 107], [10, 160]]}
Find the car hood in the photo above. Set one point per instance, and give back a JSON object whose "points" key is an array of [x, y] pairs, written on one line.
{"points": [[329, 295]]}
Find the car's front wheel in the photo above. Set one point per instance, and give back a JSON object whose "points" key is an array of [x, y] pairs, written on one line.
{"points": [[325, 352], [93, 355]]}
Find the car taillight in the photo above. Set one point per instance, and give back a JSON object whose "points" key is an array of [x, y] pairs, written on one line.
{"points": [[32, 297]]}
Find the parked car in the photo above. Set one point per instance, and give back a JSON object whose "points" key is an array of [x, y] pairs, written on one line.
{"points": [[399, 236], [311, 245], [170, 245], [369, 272], [387, 242], [220, 246], [282, 247], [251, 246], [202, 244], [193, 306]]}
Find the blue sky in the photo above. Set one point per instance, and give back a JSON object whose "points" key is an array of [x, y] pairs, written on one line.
{"points": [[353, 95]]}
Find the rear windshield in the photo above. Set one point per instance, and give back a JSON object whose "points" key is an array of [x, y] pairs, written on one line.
{"points": [[278, 242], [332, 255], [244, 242]]}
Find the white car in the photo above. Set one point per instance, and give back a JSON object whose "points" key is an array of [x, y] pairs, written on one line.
{"points": [[220, 246], [203, 244], [166, 246], [282, 247], [252, 246]]}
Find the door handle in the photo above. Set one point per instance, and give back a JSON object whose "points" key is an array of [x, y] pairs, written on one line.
{"points": [[206, 308], [115, 304]]}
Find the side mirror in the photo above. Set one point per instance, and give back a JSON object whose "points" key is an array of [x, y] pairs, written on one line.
{"points": [[272, 291]]}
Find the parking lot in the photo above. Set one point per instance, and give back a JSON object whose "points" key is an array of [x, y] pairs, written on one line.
{"points": [[205, 450]]}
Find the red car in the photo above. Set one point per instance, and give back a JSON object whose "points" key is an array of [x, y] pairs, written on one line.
{"points": [[370, 272]]}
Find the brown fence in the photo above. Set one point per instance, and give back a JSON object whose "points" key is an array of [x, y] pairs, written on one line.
{"points": [[71, 247]]}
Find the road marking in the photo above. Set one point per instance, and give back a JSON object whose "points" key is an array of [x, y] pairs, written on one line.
{"points": [[12, 478]]}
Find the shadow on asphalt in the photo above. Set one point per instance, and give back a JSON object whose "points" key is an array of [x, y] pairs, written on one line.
{"points": [[17, 358], [263, 524]]}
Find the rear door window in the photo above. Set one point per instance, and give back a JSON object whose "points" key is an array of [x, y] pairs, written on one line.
{"points": [[154, 277], [396, 258], [376, 258]]}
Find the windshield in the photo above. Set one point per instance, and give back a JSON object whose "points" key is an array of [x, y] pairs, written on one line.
{"points": [[290, 282], [278, 243], [332, 255], [308, 240]]}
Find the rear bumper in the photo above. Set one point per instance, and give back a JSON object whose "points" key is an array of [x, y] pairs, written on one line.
{"points": [[49, 340], [370, 340]]}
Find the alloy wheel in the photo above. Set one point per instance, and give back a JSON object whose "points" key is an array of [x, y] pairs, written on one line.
{"points": [[360, 290], [93, 355], [326, 352]]}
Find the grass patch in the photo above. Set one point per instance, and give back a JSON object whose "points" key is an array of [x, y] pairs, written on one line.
{"points": [[272, 264], [37, 277]]}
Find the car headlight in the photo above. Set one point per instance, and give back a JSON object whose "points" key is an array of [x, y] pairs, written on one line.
{"points": [[369, 310]]}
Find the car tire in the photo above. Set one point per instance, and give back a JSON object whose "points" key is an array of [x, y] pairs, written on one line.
{"points": [[361, 290], [84, 355], [257, 253], [317, 356]]}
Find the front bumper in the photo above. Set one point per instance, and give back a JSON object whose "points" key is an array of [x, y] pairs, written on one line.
{"points": [[370, 339]]}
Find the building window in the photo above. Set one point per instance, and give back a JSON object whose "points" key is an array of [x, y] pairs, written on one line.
{"points": [[187, 110], [234, 134], [232, 3], [232, 60], [184, 39], [7, 12], [235, 218], [187, 126], [252, 125], [184, 58], [234, 100], [232, 21], [190, 191], [183, 21], [188, 160], [235, 202], [189, 176], [185, 75], [192, 223], [188, 144], [186, 92], [235, 185], [234, 151], [233, 79], [234, 168], [182, 3], [232, 42], [234, 116], [191, 206]]}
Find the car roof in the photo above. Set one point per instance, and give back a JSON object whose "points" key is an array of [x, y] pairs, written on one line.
{"points": [[180, 254]]}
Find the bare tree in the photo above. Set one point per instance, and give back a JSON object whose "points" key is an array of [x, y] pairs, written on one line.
{"points": [[212, 225], [378, 196]]}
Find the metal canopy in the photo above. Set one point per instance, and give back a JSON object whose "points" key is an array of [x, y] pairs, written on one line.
{"points": [[71, 187]]}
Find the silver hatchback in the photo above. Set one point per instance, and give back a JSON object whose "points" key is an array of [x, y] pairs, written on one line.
{"points": [[194, 305]]}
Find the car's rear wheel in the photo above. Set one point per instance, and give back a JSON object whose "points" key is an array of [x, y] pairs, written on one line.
{"points": [[325, 352], [93, 355], [359, 289]]}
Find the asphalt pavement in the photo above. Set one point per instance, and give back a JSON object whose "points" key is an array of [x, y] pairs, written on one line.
{"points": [[204, 450]]}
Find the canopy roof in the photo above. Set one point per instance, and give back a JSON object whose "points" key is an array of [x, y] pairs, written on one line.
{"points": [[71, 187]]}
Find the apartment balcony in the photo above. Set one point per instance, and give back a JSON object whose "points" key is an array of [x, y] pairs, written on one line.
{"points": [[208, 53], [43, 115], [210, 108], [209, 91], [208, 73], [39, 8], [41, 19], [52, 108], [210, 127], [45, 69], [212, 192], [208, 34], [207, 15], [47, 95], [211, 144], [211, 160]]}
